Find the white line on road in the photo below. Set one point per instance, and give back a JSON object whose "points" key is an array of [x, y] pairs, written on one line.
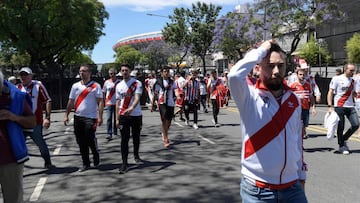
{"points": [[178, 124], [57, 149], [37, 191], [207, 140], [202, 137], [67, 130]]}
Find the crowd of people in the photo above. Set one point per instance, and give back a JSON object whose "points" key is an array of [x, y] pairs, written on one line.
{"points": [[256, 83]]}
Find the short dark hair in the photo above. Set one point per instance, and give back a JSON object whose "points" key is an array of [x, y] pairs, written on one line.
{"points": [[126, 65], [165, 68]]}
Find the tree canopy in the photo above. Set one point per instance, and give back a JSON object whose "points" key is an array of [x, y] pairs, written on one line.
{"points": [[50, 30], [195, 27], [353, 48]]}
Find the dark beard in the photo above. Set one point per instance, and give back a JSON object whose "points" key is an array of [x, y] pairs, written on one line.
{"points": [[274, 87]]}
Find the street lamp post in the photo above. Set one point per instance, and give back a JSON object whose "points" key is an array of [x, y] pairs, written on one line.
{"points": [[157, 15]]}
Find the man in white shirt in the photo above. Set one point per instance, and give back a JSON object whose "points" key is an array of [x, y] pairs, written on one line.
{"points": [[129, 117], [271, 158], [343, 87], [86, 98], [110, 101]]}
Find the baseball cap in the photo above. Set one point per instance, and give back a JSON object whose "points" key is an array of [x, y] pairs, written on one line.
{"points": [[26, 70], [11, 78]]}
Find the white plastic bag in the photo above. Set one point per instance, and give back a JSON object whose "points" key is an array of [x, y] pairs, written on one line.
{"points": [[331, 121]]}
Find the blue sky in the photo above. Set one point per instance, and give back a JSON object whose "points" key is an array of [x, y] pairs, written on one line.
{"points": [[128, 17]]}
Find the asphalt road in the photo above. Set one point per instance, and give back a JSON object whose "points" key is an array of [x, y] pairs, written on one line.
{"points": [[201, 166]]}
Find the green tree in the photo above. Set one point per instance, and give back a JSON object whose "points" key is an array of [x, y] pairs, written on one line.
{"points": [[353, 48], [312, 50], [178, 34], [202, 18], [127, 54], [50, 30]]}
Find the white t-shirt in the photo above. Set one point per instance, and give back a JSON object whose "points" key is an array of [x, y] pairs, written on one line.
{"points": [[340, 84], [180, 81], [161, 92], [109, 85], [88, 107], [127, 96]]}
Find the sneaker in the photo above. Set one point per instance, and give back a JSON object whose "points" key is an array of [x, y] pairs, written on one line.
{"points": [[109, 137], [49, 166], [182, 119], [344, 151], [186, 122], [213, 121], [138, 161], [217, 125], [195, 126], [206, 111], [83, 168], [123, 169]]}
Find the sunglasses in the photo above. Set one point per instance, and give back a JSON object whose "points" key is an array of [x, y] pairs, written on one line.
{"points": [[23, 74]]}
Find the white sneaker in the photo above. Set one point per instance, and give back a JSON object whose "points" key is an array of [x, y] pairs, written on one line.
{"points": [[217, 125], [343, 150], [213, 121], [186, 122], [195, 126]]}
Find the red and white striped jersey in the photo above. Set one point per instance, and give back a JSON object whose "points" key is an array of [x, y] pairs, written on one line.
{"points": [[39, 97], [344, 88]]}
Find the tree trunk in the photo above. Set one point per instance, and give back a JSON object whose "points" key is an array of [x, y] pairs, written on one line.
{"points": [[204, 65]]}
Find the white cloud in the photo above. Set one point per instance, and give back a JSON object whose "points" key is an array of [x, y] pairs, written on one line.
{"points": [[153, 5]]}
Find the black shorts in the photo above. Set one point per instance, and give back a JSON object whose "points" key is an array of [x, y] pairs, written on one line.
{"points": [[166, 112]]}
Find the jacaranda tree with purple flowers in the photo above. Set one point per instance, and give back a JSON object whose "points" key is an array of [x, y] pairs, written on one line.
{"points": [[236, 32], [296, 17]]}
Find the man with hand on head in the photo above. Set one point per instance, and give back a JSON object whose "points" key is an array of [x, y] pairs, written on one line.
{"points": [[270, 116]]}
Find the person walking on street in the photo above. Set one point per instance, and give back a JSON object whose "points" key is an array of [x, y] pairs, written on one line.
{"points": [[164, 89], [86, 98], [343, 86], [203, 93], [180, 80], [39, 96], [191, 100], [15, 114], [271, 159], [217, 95], [303, 90], [110, 101], [128, 94]]}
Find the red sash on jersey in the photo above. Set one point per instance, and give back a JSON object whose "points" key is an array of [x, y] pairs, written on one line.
{"points": [[273, 128], [111, 93], [83, 94], [128, 97], [347, 94]]}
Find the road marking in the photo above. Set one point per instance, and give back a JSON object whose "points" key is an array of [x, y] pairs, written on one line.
{"points": [[37, 191], [178, 124], [67, 130], [207, 140], [200, 136], [57, 149], [319, 129]]}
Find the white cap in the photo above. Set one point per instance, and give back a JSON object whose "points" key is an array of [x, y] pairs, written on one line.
{"points": [[11, 78], [26, 70]]}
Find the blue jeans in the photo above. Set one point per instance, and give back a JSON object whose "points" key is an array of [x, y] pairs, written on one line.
{"points": [[111, 120], [253, 194], [352, 116], [37, 137]]}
